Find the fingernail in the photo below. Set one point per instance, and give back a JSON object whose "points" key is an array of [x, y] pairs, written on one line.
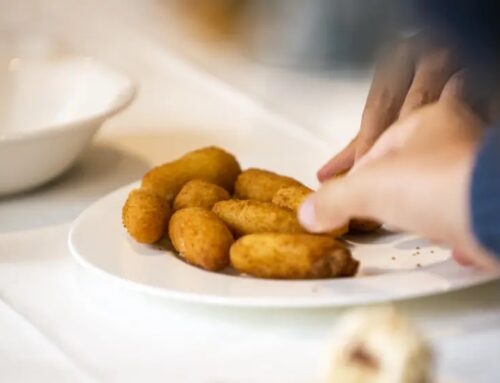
{"points": [[307, 214]]}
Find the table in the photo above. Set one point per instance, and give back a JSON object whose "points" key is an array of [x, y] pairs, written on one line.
{"points": [[60, 323]]}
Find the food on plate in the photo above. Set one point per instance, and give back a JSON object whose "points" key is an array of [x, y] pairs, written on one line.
{"points": [[145, 215], [201, 238], [291, 197], [199, 193], [379, 345], [291, 256], [198, 188], [248, 216], [260, 185], [351, 268], [363, 225], [210, 164]]}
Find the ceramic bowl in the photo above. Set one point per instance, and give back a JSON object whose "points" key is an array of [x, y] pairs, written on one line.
{"points": [[49, 111]]}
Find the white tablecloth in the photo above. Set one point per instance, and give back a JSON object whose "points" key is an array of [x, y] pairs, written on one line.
{"points": [[61, 323]]}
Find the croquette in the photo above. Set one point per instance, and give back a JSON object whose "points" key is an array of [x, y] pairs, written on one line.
{"points": [[145, 215], [210, 164], [291, 197], [290, 256], [248, 216], [260, 185], [199, 193], [363, 225], [201, 238]]}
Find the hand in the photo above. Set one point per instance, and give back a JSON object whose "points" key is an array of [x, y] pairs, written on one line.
{"points": [[419, 183], [410, 76]]}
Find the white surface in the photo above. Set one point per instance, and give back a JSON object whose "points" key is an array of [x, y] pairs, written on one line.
{"points": [[49, 111], [60, 323], [89, 327], [388, 269]]}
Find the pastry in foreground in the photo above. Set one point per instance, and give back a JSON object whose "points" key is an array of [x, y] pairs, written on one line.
{"points": [[248, 216], [201, 238], [210, 164], [379, 345], [291, 256], [199, 193], [260, 185], [145, 215]]}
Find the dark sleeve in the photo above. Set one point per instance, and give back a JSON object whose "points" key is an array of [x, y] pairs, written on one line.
{"points": [[485, 192]]}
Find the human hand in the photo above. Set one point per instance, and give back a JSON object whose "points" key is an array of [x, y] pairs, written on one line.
{"points": [[419, 182], [413, 74]]}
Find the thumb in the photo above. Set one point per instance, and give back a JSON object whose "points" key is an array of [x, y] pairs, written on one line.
{"points": [[344, 197]]}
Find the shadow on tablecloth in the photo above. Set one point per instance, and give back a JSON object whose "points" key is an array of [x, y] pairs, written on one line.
{"points": [[102, 169]]}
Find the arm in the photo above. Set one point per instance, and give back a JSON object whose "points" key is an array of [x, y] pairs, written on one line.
{"points": [[485, 192]]}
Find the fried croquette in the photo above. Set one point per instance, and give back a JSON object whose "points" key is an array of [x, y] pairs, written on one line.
{"points": [[351, 268], [145, 215], [201, 238], [291, 197], [199, 186], [289, 256], [199, 193], [363, 225], [248, 216], [210, 164], [260, 185]]}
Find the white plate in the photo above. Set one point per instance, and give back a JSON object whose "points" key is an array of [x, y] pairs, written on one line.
{"points": [[393, 266], [389, 269]]}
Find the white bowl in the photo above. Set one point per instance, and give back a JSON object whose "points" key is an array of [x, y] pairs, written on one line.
{"points": [[49, 111]]}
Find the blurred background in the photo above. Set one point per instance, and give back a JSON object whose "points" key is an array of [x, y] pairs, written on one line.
{"points": [[314, 34], [299, 58]]}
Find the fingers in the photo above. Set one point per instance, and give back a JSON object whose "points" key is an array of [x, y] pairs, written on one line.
{"points": [[460, 87], [364, 146], [476, 258], [390, 85], [493, 108], [338, 164], [454, 88], [461, 259], [323, 210], [431, 74], [399, 86], [340, 199], [390, 141], [386, 189]]}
